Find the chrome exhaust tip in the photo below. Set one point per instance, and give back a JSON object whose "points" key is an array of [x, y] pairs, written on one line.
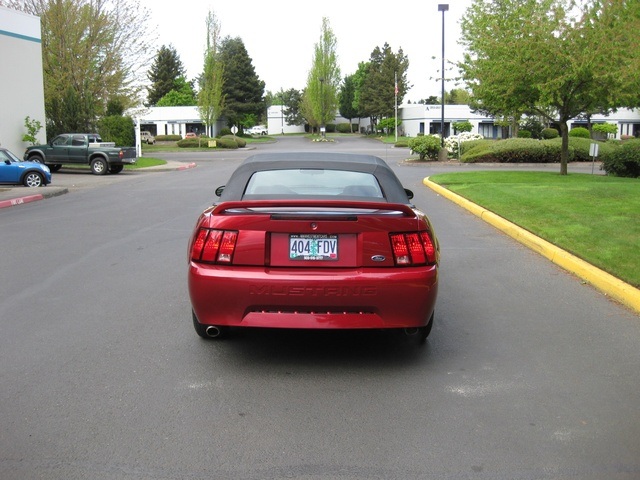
{"points": [[213, 331]]}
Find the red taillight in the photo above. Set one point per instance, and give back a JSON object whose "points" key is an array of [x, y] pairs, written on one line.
{"points": [[414, 248], [214, 246]]}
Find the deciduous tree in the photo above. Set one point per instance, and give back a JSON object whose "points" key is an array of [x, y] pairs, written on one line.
{"points": [[181, 94], [323, 80], [554, 58], [92, 51], [211, 95]]}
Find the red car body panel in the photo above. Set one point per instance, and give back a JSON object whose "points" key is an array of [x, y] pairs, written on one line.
{"points": [[362, 287]]}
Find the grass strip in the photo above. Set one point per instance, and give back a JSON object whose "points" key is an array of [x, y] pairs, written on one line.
{"points": [[594, 217]]}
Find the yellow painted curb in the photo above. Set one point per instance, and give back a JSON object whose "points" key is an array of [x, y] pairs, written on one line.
{"points": [[624, 293]]}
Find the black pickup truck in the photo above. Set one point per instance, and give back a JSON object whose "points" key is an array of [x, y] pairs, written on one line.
{"points": [[82, 149]]}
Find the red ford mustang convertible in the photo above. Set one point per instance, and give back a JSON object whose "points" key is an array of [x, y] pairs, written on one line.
{"points": [[313, 241]]}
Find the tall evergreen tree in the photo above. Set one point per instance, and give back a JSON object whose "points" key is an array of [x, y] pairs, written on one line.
{"points": [[165, 71], [377, 93], [346, 100], [292, 99], [242, 88]]}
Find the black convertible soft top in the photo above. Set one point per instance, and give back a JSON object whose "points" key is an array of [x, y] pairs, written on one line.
{"points": [[391, 186]]}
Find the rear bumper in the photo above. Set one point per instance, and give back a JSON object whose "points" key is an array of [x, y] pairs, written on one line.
{"points": [[322, 299]]}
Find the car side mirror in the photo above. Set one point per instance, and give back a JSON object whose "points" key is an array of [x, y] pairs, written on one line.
{"points": [[219, 190], [8, 162], [409, 193]]}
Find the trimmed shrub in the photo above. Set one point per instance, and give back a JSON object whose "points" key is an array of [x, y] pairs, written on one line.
{"points": [[624, 161], [343, 128], [579, 132], [228, 141], [549, 133], [427, 146], [581, 146], [168, 138], [524, 134], [402, 143], [224, 131], [451, 143], [514, 150]]}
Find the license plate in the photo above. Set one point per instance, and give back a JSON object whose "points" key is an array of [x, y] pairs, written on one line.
{"points": [[313, 247]]}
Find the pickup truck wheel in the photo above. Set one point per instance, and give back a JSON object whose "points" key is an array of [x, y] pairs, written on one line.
{"points": [[55, 167], [116, 168], [99, 166], [36, 158], [33, 179]]}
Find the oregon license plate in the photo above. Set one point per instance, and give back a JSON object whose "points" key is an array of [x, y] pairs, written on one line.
{"points": [[313, 247]]}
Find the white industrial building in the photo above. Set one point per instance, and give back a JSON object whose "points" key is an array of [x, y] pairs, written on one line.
{"points": [[22, 80]]}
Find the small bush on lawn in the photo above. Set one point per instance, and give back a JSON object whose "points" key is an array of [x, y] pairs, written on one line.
{"points": [[168, 138], [624, 161], [228, 141], [549, 133], [402, 143], [224, 131], [451, 143], [427, 146], [524, 134], [579, 132], [343, 128]]}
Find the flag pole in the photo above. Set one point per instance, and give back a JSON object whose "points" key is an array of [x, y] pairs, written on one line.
{"points": [[396, 95]]}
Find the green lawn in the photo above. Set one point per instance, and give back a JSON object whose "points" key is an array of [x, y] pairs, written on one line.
{"points": [[595, 217], [143, 162]]}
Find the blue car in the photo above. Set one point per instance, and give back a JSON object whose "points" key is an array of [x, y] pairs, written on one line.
{"points": [[14, 171]]}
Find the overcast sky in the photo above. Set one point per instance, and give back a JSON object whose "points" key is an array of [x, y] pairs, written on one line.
{"points": [[280, 35]]}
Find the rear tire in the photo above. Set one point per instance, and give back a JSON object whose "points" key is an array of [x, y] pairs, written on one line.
{"points": [[36, 158], [55, 167], [116, 168], [426, 330], [99, 166]]}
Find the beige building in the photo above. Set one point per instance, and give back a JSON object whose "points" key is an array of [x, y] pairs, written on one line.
{"points": [[22, 81]]}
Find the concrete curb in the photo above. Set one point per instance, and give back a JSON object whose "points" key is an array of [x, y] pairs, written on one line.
{"points": [[50, 192], [624, 293], [186, 167]]}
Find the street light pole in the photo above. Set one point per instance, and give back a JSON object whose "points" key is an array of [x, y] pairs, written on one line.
{"points": [[322, 129], [443, 7]]}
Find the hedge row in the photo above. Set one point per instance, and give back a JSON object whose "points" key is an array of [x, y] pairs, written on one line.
{"points": [[527, 150], [226, 141], [618, 158]]}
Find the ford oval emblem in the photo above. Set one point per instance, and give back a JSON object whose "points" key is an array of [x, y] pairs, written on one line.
{"points": [[378, 258]]}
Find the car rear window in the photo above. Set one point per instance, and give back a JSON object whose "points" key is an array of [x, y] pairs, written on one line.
{"points": [[312, 183]]}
